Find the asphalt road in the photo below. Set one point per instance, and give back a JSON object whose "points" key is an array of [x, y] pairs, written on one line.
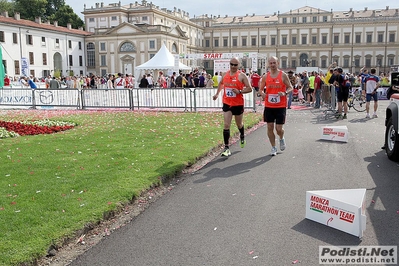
{"points": [[249, 209]]}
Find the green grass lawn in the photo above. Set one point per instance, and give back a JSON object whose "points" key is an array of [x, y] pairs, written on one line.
{"points": [[53, 185]]}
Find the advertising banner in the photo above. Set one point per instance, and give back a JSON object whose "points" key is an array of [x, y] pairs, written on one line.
{"points": [[342, 209]]}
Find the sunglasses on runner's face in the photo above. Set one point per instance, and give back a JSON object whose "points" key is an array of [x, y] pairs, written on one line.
{"points": [[231, 64]]}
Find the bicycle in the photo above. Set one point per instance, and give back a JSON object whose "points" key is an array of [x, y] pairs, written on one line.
{"points": [[357, 100]]}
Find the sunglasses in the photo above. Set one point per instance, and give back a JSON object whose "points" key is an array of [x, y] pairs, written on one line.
{"points": [[233, 64]]}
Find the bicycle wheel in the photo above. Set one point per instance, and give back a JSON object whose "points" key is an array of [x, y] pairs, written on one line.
{"points": [[359, 104]]}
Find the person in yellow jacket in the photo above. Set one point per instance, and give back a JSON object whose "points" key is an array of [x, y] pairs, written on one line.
{"points": [[215, 80]]}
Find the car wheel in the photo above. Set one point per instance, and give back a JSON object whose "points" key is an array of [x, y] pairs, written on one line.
{"points": [[391, 141]]}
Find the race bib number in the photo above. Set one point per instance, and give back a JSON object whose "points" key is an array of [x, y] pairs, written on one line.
{"points": [[230, 92], [273, 98]]}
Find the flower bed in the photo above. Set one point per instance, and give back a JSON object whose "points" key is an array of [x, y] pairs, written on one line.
{"points": [[15, 128]]}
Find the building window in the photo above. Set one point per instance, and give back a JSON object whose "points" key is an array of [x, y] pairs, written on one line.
{"points": [[304, 39], [91, 55], [31, 58], [324, 39], [207, 43], [127, 47], [57, 42], [14, 38], [152, 55], [346, 62], [390, 61], [293, 63], [70, 60], [314, 40], [336, 39], [358, 38], [103, 60], [273, 41], [152, 44], [324, 18], [313, 64], [294, 20], [216, 42], [303, 19], [323, 63], [244, 41], [1, 36], [102, 46], [144, 18], [392, 37], [253, 41], [174, 48], [43, 41], [80, 45], [293, 40], [347, 38], [29, 39], [368, 62], [80, 60], [69, 44], [113, 18], [225, 42], [314, 19], [207, 24], [284, 63], [16, 67], [234, 42], [263, 41], [284, 40], [284, 20], [380, 37], [91, 19], [369, 37], [357, 62], [44, 58]]}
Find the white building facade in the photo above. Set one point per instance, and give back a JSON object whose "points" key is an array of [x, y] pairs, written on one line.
{"points": [[41, 49], [125, 36]]}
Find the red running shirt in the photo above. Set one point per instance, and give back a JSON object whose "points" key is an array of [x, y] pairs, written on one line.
{"points": [[273, 86], [229, 83]]}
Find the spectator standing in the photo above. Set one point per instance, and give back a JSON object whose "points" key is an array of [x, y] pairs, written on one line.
{"points": [[209, 81], [201, 80], [110, 82], [372, 83], [119, 82], [293, 82], [277, 86], [234, 84], [143, 82], [342, 93], [150, 81], [317, 90], [6, 80], [32, 84], [215, 80], [54, 84]]}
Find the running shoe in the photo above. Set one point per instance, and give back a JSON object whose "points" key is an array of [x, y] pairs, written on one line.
{"points": [[242, 142], [226, 152], [274, 151], [375, 116], [344, 117], [282, 144], [368, 116]]}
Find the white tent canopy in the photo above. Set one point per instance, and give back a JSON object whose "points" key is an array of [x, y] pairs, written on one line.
{"points": [[162, 60]]}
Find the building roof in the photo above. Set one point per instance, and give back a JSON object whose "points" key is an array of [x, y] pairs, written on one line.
{"points": [[41, 25]]}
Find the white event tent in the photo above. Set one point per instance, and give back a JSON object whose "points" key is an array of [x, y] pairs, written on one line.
{"points": [[162, 60]]}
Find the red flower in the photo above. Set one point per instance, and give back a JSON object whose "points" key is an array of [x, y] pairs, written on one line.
{"points": [[24, 129]]}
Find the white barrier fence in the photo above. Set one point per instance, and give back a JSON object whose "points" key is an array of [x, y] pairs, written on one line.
{"points": [[186, 99]]}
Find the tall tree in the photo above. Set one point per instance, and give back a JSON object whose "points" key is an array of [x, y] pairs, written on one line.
{"points": [[53, 6], [30, 9], [6, 6], [65, 15]]}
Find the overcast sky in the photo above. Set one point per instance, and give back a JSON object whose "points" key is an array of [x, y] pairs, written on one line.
{"points": [[241, 8]]}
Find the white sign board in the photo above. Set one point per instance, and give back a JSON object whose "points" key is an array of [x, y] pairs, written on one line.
{"points": [[342, 209], [335, 133], [221, 66]]}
